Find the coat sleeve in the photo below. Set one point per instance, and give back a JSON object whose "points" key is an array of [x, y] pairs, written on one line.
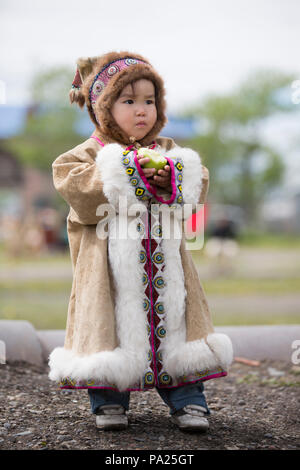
{"points": [[78, 180], [195, 176], [204, 186], [169, 144]]}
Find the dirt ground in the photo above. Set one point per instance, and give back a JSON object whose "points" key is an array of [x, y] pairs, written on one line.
{"points": [[254, 407]]}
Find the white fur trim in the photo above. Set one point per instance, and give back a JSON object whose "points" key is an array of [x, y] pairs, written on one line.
{"points": [[181, 357], [115, 179], [174, 294], [222, 347], [120, 367], [124, 258], [207, 353], [192, 173]]}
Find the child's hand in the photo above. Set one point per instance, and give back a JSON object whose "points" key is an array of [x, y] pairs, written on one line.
{"points": [[163, 179], [148, 172]]}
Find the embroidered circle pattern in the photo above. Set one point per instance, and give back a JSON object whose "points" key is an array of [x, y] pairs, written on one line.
{"points": [[153, 282], [104, 76], [98, 87], [112, 70], [130, 61]]}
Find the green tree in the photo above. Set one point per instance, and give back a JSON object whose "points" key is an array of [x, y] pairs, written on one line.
{"points": [[49, 129], [242, 167]]}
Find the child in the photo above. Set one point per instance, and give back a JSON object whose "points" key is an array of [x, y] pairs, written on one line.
{"points": [[137, 316]]}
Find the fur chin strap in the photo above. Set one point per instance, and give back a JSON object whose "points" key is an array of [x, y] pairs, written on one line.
{"points": [[132, 140]]}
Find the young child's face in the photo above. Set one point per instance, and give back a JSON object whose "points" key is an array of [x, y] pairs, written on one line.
{"points": [[135, 110]]}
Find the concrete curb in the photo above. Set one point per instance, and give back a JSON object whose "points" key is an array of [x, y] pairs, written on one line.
{"points": [[49, 340], [21, 342], [24, 343], [262, 341]]}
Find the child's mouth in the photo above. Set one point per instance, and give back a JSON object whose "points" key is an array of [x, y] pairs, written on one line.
{"points": [[141, 124]]}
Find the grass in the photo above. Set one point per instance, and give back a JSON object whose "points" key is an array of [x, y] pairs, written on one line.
{"points": [[44, 302], [269, 382], [254, 318], [42, 315], [254, 286], [45, 258], [218, 286], [35, 286], [270, 240]]}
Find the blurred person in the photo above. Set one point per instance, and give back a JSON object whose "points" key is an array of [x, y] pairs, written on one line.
{"points": [[48, 219], [10, 235], [223, 239], [32, 236], [222, 246], [138, 318]]}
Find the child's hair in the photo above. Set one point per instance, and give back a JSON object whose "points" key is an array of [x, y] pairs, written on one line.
{"points": [[132, 88], [99, 81]]}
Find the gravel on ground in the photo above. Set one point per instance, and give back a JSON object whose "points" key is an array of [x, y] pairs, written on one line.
{"points": [[254, 407]]}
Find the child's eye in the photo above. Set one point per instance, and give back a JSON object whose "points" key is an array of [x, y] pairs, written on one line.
{"points": [[150, 101], [127, 101]]}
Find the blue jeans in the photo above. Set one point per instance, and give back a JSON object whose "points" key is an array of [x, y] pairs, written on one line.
{"points": [[175, 398]]}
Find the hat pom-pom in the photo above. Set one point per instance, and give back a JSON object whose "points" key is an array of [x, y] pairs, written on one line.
{"points": [[76, 96]]}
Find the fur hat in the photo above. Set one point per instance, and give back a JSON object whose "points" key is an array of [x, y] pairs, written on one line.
{"points": [[99, 81]]}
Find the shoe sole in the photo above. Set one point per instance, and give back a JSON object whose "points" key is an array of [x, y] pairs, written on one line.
{"points": [[196, 427], [106, 423]]}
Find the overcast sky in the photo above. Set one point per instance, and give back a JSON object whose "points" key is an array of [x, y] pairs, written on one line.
{"points": [[196, 45]]}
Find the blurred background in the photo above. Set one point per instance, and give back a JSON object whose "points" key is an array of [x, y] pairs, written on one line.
{"points": [[232, 77]]}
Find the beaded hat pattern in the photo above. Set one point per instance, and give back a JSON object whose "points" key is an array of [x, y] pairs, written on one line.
{"points": [[102, 78]]}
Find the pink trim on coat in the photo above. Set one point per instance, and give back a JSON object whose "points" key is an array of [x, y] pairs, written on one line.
{"points": [[152, 189], [128, 148], [98, 140], [208, 377], [149, 264]]}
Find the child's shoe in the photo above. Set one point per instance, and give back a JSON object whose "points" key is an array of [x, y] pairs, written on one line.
{"points": [[191, 418], [111, 417]]}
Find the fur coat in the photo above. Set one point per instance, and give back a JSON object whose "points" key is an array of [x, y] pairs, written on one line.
{"points": [[137, 316]]}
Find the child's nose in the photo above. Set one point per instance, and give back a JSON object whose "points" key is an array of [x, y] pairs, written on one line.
{"points": [[141, 110]]}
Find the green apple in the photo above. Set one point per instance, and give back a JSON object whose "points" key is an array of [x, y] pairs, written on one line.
{"points": [[157, 161]]}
